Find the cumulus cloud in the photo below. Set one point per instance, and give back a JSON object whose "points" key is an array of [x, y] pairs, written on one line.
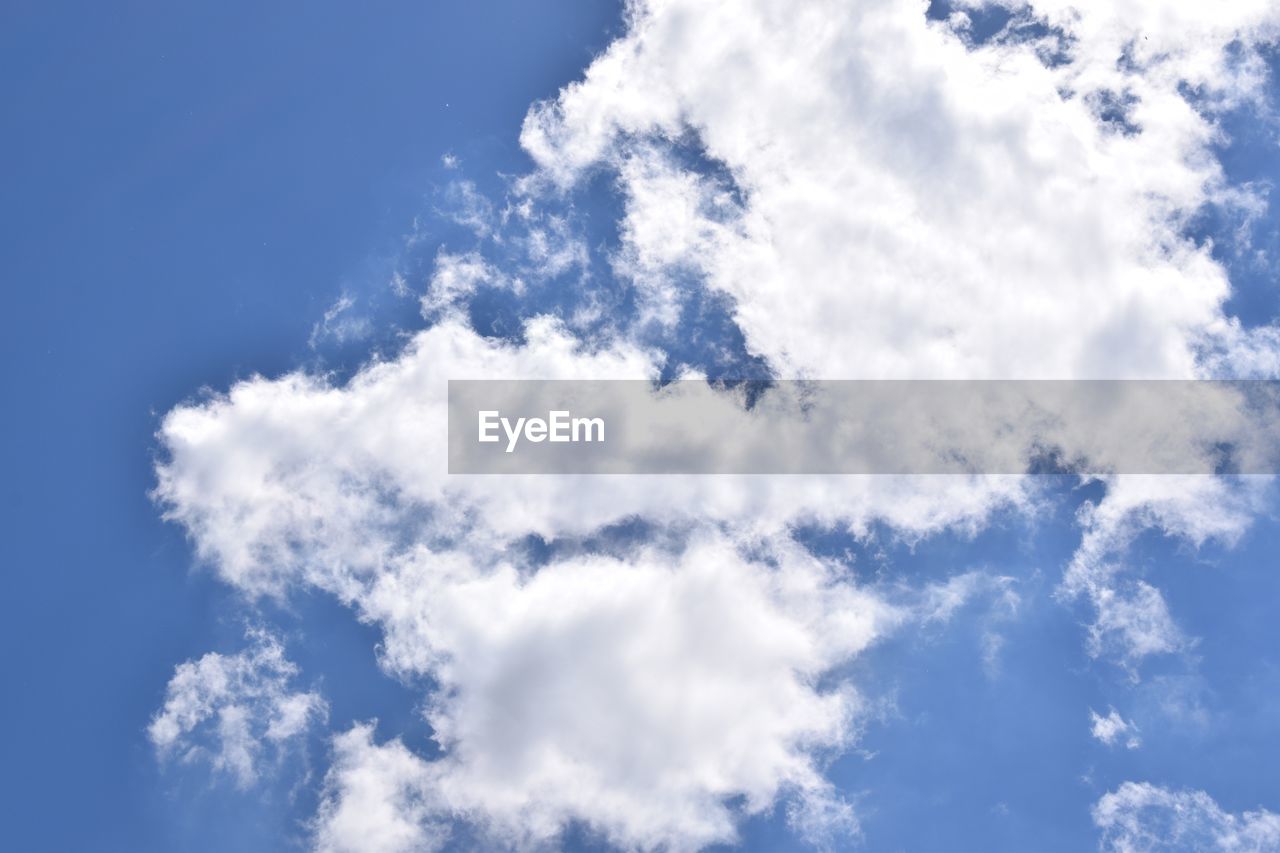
{"points": [[1113, 729], [296, 478], [637, 696], [909, 204], [235, 711], [1139, 816], [896, 200], [892, 199]]}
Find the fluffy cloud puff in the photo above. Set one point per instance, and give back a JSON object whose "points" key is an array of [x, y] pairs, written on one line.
{"points": [[1113, 729], [295, 478], [234, 710], [639, 696], [909, 204]]}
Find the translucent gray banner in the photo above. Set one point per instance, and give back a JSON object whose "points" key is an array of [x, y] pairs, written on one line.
{"points": [[864, 427]]}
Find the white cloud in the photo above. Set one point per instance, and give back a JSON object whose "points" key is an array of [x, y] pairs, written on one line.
{"points": [[377, 799], [636, 696], [235, 710], [552, 246], [1139, 816], [467, 207], [1132, 618], [890, 202], [340, 325], [1113, 729], [908, 204], [295, 479], [938, 210], [664, 684], [940, 601], [456, 277]]}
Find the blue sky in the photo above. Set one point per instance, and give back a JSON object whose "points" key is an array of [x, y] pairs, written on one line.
{"points": [[191, 190]]}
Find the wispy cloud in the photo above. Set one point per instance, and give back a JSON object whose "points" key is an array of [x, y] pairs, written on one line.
{"points": [[235, 712], [1139, 816]]}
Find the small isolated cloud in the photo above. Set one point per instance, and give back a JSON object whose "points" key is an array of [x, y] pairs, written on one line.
{"points": [[467, 207], [235, 711], [1139, 816], [1113, 729], [457, 277], [340, 325], [1133, 622], [939, 603], [1132, 619]]}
